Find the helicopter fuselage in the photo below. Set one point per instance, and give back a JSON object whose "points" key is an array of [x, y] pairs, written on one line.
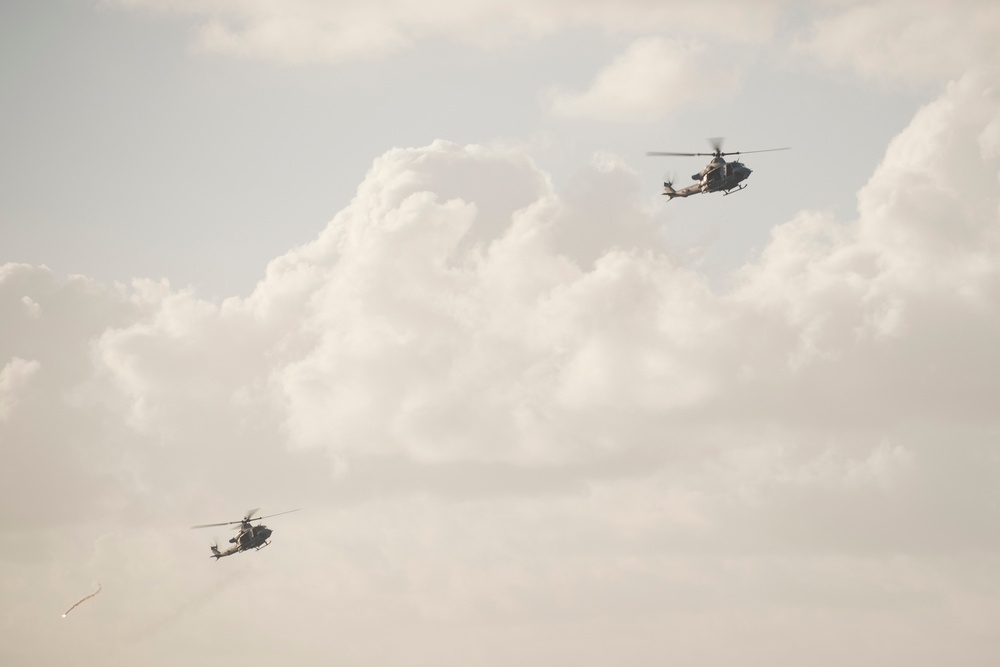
{"points": [[721, 175], [252, 537], [249, 537]]}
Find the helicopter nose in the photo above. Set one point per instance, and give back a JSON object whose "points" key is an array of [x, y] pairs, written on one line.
{"points": [[266, 533]]}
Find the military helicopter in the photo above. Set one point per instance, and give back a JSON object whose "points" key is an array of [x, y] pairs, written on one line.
{"points": [[718, 175], [249, 537]]}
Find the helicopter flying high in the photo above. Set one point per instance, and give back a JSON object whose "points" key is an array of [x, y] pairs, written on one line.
{"points": [[717, 175], [249, 535]]}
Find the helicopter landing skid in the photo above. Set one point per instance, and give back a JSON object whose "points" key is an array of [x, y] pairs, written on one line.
{"points": [[261, 546], [734, 190]]}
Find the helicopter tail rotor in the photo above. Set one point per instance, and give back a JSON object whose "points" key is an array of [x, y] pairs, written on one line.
{"points": [[668, 188]]}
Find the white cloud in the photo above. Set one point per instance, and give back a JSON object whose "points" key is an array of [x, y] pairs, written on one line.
{"points": [[545, 443], [925, 41], [52, 428], [652, 77], [436, 321], [32, 306], [301, 31], [14, 375]]}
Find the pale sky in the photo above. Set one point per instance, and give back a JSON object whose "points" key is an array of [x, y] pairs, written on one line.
{"points": [[406, 267]]}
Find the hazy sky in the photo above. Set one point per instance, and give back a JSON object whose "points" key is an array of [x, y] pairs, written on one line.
{"points": [[407, 267]]}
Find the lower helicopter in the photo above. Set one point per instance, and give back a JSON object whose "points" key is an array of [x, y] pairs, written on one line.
{"points": [[249, 535], [717, 176]]}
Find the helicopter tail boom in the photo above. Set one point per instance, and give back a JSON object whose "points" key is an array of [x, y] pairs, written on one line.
{"points": [[668, 190], [216, 554]]}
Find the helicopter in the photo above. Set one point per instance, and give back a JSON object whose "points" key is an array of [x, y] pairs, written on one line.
{"points": [[718, 175], [249, 537]]}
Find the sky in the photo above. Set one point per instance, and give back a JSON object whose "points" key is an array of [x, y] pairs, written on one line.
{"points": [[407, 269]]}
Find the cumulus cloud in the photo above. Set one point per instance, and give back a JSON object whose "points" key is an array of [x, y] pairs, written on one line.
{"points": [[304, 31], [436, 323], [651, 78], [14, 375], [930, 41], [536, 433], [52, 413]]}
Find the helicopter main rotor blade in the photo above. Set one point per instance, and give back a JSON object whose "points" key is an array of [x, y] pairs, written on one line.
{"points": [[249, 517], [656, 153], [766, 150], [250, 513], [209, 525], [278, 514]]}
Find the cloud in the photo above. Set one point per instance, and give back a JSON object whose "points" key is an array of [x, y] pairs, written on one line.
{"points": [[540, 441], [395, 331], [439, 322], [436, 323], [15, 374], [930, 41], [308, 31], [651, 78], [61, 446]]}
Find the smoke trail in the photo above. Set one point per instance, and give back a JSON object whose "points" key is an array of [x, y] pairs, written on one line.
{"points": [[82, 600]]}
